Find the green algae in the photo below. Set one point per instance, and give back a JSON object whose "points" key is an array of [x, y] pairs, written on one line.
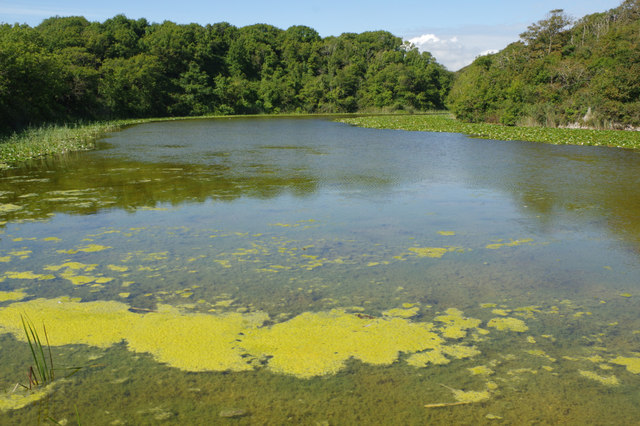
{"points": [[6, 296], [317, 344], [511, 243], [632, 363], [21, 398], [510, 324], [605, 380]]}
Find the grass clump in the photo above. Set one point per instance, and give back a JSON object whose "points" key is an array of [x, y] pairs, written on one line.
{"points": [[445, 122], [53, 139], [43, 374]]}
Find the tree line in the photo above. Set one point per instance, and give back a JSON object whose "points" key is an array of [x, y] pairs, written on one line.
{"points": [[68, 68], [561, 72]]}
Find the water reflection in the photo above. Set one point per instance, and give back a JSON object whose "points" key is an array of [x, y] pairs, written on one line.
{"points": [[194, 161]]}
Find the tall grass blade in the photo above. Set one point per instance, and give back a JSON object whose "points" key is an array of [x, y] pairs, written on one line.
{"points": [[43, 373]]}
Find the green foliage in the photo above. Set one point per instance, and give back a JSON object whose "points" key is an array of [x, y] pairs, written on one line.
{"points": [[585, 73], [68, 68]]}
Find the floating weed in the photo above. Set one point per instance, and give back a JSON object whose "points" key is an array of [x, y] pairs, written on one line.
{"points": [[605, 380], [462, 398], [444, 122]]}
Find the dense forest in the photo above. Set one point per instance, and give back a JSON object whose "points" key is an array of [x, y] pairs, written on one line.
{"points": [[561, 72], [72, 69]]}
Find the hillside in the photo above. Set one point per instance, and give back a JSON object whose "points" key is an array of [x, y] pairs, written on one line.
{"points": [[70, 69], [562, 72]]}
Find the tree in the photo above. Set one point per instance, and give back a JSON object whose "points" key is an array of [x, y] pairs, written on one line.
{"points": [[546, 32]]}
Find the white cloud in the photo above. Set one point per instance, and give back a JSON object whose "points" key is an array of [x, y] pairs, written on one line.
{"points": [[457, 48]]}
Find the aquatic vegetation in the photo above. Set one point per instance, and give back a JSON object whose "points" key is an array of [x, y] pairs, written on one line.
{"points": [[455, 324], [470, 397], [512, 243], [632, 363], [422, 359], [6, 296], [605, 380], [20, 398], [446, 123], [511, 324], [317, 344], [27, 275], [480, 370], [43, 373], [434, 252], [540, 353], [402, 313], [462, 398], [7, 208], [89, 248]]}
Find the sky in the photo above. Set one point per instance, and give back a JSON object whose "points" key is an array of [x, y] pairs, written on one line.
{"points": [[454, 31]]}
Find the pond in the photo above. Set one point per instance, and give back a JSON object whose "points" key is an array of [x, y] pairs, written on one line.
{"points": [[272, 270]]}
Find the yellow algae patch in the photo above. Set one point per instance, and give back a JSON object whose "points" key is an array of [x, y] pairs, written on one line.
{"points": [[488, 305], [53, 239], [626, 295], [503, 312], [28, 275], [480, 370], [223, 263], [460, 351], [100, 324], [117, 268], [89, 248], [6, 208], [540, 353], [512, 243], [12, 295], [469, 397], [5, 259], [71, 265], [194, 342], [124, 295], [632, 364], [512, 324], [317, 344], [422, 359], [402, 313], [22, 254], [22, 398], [433, 252], [455, 324], [605, 380], [447, 233], [531, 339]]}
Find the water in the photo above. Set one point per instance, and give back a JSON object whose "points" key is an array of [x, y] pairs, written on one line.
{"points": [[269, 271]]}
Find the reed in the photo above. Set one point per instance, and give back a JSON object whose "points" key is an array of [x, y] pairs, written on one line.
{"points": [[43, 373]]}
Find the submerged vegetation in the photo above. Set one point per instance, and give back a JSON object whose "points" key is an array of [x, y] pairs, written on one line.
{"points": [[445, 122]]}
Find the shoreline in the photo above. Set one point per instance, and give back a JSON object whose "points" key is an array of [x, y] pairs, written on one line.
{"points": [[34, 143]]}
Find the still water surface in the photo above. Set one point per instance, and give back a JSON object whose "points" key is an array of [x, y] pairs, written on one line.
{"points": [[270, 271]]}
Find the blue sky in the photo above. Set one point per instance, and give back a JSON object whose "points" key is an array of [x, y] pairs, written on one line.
{"points": [[455, 31]]}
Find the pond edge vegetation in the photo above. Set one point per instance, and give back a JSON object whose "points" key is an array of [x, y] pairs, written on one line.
{"points": [[48, 140]]}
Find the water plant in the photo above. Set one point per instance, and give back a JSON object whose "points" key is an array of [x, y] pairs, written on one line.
{"points": [[445, 122], [43, 374]]}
